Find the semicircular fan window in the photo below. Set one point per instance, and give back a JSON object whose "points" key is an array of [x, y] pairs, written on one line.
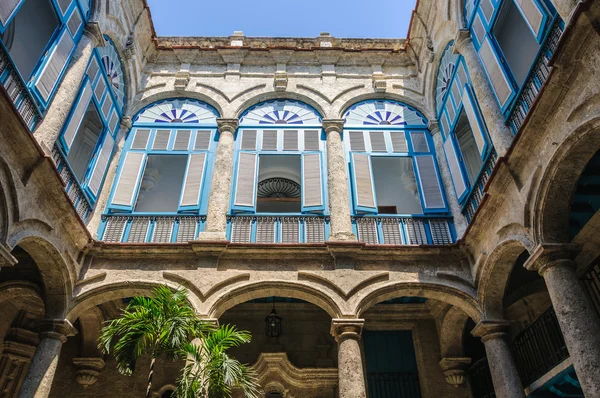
{"points": [[178, 111], [278, 188]]}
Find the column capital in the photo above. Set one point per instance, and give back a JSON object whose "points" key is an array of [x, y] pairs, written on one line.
{"points": [[228, 125], [547, 255], [58, 329], [88, 370], [434, 127], [333, 125], [454, 370], [126, 123], [461, 40], [93, 31], [490, 329], [342, 329]]}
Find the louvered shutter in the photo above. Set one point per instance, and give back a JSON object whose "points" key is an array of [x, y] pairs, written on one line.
{"points": [[249, 140], [161, 140], [54, 66], [311, 140], [7, 10], [101, 164], [182, 140], [245, 192], [419, 141], [399, 144], [128, 179], [64, 5], [312, 183], [362, 184], [74, 22], [431, 191], [495, 72], [474, 121], [77, 116], [140, 139], [290, 140], [460, 186], [535, 15], [269, 140], [377, 141], [357, 141], [202, 140], [193, 180]]}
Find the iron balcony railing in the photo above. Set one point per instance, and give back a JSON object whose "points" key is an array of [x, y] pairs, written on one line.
{"points": [[480, 379], [394, 385], [17, 90], [591, 281], [75, 193], [399, 230], [150, 229], [539, 348], [278, 229], [537, 77], [476, 196]]}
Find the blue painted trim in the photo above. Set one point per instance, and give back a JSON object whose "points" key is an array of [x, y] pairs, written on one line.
{"points": [[357, 208], [208, 106], [412, 108]]}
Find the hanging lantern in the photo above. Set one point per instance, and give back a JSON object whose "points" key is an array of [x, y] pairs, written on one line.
{"points": [[273, 323]]}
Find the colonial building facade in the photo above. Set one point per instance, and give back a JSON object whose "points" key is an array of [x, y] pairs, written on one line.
{"points": [[421, 213]]}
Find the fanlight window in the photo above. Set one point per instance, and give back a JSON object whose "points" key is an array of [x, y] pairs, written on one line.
{"points": [[114, 71], [280, 112], [445, 73], [178, 111], [383, 113]]}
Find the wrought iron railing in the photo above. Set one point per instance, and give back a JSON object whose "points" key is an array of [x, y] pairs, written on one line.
{"points": [[398, 230], [17, 90], [476, 196], [76, 195], [394, 385], [481, 379], [591, 281], [278, 229], [539, 348], [537, 78], [150, 229]]}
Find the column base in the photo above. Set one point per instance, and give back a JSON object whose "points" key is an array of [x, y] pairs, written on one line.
{"points": [[212, 236]]}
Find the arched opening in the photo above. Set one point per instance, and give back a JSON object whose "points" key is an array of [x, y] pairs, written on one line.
{"points": [[585, 201]]}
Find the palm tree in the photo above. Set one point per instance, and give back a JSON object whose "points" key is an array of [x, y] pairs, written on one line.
{"points": [[165, 324], [211, 373]]}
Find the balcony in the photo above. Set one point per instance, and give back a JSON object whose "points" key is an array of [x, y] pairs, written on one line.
{"points": [[278, 229], [399, 230], [150, 229], [393, 385], [481, 379], [17, 90], [78, 198], [476, 196], [536, 79]]}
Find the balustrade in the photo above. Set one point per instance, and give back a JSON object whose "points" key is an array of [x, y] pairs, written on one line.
{"points": [[74, 192], [150, 229], [278, 229], [476, 195], [399, 230], [393, 385]]}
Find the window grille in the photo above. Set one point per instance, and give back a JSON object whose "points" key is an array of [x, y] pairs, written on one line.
{"points": [[163, 229], [241, 228], [391, 231], [290, 230], [187, 229], [265, 230], [138, 230], [367, 230]]}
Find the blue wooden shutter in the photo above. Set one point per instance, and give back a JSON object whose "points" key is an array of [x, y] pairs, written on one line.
{"points": [[8, 9], [54, 65], [312, 183], [128, 180], [460, 185], [431, 189], [245, 182], [495, 72], [192, 186], [99, 170], [363, 188], [535, 15], [472, 113], [79, 109]]}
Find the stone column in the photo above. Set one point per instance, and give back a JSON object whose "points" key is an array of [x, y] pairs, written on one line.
{"points": [[53, 334], [578, 320], [499, 132], [111, 173], [505, 377], [337, 182], [220, 189], [347, 333], [460, 222], [50, 127]]}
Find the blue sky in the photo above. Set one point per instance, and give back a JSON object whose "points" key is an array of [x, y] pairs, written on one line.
{"points": [[300, 18]]}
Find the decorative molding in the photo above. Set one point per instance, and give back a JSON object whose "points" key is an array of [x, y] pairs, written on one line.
{"points": [[88, 370], [93, 31], [173, 277], [454, 370], [323, 281]]}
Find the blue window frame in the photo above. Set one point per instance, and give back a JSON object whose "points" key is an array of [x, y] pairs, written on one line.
{"points": [[96, 100], [171, 142], [280, 163], [388, 140], [466, 141]]}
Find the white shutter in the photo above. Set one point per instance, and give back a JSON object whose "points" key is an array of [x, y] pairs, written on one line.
{"points": [[114, 120], [290, 140], [377, 141], [140, 139], [64, 5], [364, 193], [478, 29], [430, 185], [399, 143], [312, 184], [457, 177], [269, 140], [245, 193], [249, 140], [193, 180], [77, 116], [93, 68], [202, 140], [357, 141], [74, 22], [470, 111], [495, 72], [99, 90], [7, 9], [101, 164], [130, 174], [534, 15], [54, 66], [161, 140], [419, 141], [311, 140], [182, 140]]}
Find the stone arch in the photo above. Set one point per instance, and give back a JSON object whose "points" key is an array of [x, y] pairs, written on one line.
{"points": [[118, 290], [9, 204], [90, 324], [559, 181], [140, 104], [459, 13], [447, 294], [451, 333], [496, 273], [271, 95], [355, 99], [230, 298]]}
